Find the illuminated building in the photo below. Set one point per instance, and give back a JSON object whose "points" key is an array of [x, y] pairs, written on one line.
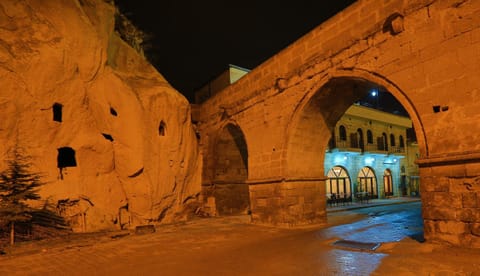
{"points": [[369, 153]]}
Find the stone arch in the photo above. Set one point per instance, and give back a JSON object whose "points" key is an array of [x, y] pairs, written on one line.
{"points": [[229, 171], [320, 109]]}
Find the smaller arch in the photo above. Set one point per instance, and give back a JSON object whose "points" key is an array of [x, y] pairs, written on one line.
{"points": [[229, 172]]}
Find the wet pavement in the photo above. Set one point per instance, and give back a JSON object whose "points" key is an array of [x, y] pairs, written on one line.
{"points": [[232, 246]]}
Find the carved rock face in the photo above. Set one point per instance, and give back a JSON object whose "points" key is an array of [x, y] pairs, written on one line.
{"points": [[112, 137]]}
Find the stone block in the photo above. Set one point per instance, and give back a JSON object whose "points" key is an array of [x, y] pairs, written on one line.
{"points": [[474, 241], [446, 238], [428, 227], [475, 228], [452, 227], [452, 200], [447, 170], [467, 214], [465, 184], [469, 200], [439, 213], [261, 202], [428, 199], [441, 184], [291, 200], [457, 185], [428, 184], [144, 229]]}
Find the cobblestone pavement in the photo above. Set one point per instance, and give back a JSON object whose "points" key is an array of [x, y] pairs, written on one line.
{"points": [[232, 246]]}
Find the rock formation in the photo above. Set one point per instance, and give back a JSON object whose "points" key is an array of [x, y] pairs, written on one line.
{"points": [[112, 137]]}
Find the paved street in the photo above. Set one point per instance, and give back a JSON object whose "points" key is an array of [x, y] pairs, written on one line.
{"points": [[232, 246]]}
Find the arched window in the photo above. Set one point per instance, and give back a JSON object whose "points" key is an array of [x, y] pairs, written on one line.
{"points": [[338, 183], [369, 137], [402, 143], [388, 182], [367, 182], [383, 145], [342, 132], [392, 140]]}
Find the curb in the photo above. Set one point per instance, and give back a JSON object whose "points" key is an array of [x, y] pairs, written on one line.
{"points": [[372, 205]]}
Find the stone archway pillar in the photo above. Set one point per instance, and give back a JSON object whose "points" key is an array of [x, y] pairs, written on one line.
{"points": [[450, 192], [288, 202]]}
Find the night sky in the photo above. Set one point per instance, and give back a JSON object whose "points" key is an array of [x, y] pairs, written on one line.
{"points": [[193, 41]]}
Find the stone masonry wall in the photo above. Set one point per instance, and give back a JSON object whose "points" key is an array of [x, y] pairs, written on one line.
{"points": [[426, 53], [451, 203]]}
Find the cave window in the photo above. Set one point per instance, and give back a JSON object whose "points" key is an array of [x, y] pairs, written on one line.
{"points": [[108, 137], [162, 129], [66, 158], [57, 112], [113, 112]]}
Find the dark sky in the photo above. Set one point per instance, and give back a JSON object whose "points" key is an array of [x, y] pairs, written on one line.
{"points": [[194, 40]]}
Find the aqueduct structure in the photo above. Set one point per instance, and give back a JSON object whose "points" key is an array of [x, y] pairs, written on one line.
{"points": [[264, 137]]}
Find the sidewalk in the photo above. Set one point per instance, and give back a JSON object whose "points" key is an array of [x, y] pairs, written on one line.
{"points": [[371, 203]]}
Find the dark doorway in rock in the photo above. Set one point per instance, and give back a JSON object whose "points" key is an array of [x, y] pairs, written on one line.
{"points": [[66, 157], [57, 112]]}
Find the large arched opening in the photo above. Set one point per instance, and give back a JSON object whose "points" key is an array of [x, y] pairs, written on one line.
{"points": [[315, 123]]}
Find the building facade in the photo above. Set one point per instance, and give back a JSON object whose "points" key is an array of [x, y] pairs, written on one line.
{"points": [[369, 155]]}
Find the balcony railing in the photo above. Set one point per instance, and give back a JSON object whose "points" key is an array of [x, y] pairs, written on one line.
{"points": [[338, 143], [396, 149]]}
